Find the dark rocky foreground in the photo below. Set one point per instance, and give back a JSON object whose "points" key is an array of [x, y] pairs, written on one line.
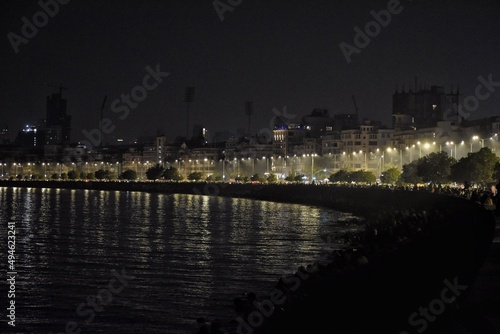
{"points": [[412, 271]]}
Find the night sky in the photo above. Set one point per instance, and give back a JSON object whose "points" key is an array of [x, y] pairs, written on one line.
{"points": [[274, 53]]}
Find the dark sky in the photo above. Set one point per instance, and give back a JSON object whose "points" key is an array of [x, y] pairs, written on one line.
{"points": [[274, 53]]}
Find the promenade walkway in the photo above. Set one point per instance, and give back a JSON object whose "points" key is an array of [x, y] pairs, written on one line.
{"points": [[485, 294]]}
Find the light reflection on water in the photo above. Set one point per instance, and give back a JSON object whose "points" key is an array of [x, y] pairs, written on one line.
{"points": [[189, 255]]}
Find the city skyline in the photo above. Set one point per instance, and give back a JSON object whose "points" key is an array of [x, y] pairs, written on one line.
{"points": [[275, 55]]}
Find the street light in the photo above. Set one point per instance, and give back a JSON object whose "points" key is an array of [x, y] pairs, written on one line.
{"points": [[253, 165], [462, 143], [312, 165], [324, 170], [408, 149], [400, 159], [477, 138], [451, 150]]}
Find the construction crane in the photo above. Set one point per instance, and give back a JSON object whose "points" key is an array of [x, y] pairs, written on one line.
{"points": [[355, 105], [55, 86]]}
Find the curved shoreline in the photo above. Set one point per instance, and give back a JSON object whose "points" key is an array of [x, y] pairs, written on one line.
{"points": [[451, 244], [356, 200]]}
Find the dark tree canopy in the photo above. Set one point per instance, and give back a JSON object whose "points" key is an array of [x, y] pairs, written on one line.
{"points": [[435, 167], [102, 174], [172, 174], [360, 176], [479, 166], [129, 174], [391, 176], [410, 173], [195, 176], [272, 178], [73, 175], [340, 176], [155, 172]]}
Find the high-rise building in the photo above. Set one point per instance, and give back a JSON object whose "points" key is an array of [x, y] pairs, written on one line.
{"points": [[345, 122], [4, 135], [58, 122], [422, 108], [318, 123], [200, 135], [28, 137]]}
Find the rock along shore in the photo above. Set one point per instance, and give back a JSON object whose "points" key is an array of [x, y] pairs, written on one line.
{"points": [[416, 244]]}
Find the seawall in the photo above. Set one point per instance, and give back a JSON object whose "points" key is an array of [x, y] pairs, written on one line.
{"points": [[361, 201], [423, 240]]}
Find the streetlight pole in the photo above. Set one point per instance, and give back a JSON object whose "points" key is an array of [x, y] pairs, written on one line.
{"points": [[410, 149], [401, 159], [476, 138], [312, 166], [224, 169]]}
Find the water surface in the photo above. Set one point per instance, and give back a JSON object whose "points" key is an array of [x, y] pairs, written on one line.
{"points": [[189, 256]]}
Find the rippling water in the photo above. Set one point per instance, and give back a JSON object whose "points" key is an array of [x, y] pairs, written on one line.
{"points": [[189, 256]]}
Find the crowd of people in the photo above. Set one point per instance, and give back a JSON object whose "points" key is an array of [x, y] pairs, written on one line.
{"points": [[379, 235], [484, 194]]}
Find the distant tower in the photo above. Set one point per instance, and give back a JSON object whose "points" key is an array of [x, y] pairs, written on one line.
{"points": [[189, 98], [249, 113], [4, 135], [58, 123]]}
